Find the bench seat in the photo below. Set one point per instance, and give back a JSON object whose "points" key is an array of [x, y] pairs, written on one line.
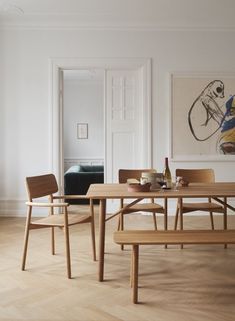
{"points": [[145, 237], [148, 237]]}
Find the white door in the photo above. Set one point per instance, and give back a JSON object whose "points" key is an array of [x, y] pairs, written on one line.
{"points": [[127, 112], [124, 122]]}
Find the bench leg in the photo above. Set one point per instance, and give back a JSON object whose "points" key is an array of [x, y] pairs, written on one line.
{"points": [[135, 269]]}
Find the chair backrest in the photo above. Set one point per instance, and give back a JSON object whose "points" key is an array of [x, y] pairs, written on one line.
{"points": [[124, 174], [197, 175], [39, 186]]}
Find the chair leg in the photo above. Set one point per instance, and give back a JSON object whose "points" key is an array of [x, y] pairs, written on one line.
{"points": [[119, 224], [120, 218], [121, 228], [26, 238], [155, 221], [67, 245], [212, 221], [176, 217], [53, 241], [211, 216], [51, 212], [93, 230]]}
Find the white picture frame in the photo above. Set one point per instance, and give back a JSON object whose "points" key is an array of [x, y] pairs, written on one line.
{"points": [[198, 114], [82, 131]]}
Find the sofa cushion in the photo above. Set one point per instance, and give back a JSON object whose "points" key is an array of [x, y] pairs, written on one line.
{"points": [[85, 169], [92, 168], [74, 169]]}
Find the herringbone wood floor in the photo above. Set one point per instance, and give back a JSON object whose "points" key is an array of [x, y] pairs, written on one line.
{"points": [[193, 284]]}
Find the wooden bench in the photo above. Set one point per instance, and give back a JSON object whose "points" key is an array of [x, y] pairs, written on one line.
{"points": [[148, 237]]}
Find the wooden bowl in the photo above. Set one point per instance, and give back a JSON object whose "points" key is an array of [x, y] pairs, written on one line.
{"points": [[138, 187]]}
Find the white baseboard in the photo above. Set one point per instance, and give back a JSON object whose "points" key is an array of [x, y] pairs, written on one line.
{"points": [[12, 208]]}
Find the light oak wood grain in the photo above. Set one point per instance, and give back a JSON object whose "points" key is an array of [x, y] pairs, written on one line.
{"points": [[45, 185], [119, 191], [198, 176], [195, 284], [146, 237]]}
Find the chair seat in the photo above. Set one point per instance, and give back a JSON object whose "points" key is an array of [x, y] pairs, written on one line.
{"points": [[58, 220], [145, 207], [202, 207]]}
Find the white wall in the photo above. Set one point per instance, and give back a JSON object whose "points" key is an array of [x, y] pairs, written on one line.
{"points": [[83, 103], [25, 104]]}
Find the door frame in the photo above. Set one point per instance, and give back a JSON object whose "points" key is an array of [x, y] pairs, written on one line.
{"points": [[57, 65]]}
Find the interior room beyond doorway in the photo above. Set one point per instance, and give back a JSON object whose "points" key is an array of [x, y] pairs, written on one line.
{"points": [[83, 117]]}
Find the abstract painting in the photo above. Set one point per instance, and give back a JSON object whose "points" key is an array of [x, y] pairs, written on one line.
{"points": [[203, 116]]}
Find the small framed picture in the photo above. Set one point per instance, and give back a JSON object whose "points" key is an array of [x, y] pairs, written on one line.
{"points": [[82, 130]]}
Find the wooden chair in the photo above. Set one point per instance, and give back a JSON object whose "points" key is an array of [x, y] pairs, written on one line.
{"points": [[150, 207], [46, 185], [199, 176]]}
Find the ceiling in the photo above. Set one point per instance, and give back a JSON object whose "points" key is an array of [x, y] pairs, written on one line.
{"points": [[199, 14]]}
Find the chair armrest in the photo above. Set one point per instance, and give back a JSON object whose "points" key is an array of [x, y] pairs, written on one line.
{"points": [[47, 204], [72, 197]]}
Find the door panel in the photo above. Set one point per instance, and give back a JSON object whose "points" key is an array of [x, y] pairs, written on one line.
{"points": [[125, 158], [123, 122]]}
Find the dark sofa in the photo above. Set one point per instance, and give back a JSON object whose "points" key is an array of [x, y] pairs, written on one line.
{"points": [[78, 178]]}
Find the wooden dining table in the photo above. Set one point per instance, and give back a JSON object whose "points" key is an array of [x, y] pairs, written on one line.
{"points": [[103, 192]]}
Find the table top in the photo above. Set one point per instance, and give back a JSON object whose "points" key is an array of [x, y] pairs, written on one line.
{"points": [[117, 191]]}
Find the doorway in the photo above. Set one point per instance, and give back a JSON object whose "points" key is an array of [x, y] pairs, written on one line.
{"points": [[83, 117], [83, 130], [123, 78]]}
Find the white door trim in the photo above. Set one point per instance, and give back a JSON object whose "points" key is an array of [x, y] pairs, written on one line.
{"points": [[57, 65]]}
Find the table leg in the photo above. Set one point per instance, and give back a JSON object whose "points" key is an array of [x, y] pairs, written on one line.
{"points": [[102, 238], [225, 218], [165, 217], [181, 216]]}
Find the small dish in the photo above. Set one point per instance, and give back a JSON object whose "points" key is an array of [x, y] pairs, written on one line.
{"points": [[139, 187]]}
